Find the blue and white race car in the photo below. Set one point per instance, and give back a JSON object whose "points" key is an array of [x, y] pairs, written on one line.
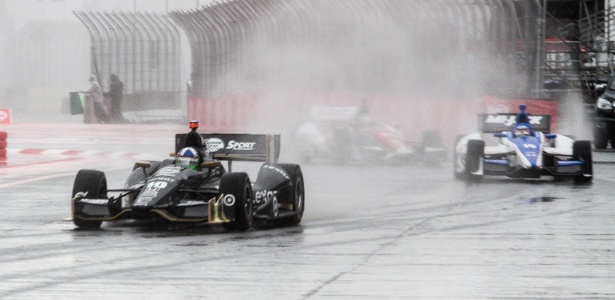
{"points": [[524, 149]]}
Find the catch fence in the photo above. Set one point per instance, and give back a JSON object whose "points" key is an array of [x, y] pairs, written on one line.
{"points": [[143, 50], [247, 45]]}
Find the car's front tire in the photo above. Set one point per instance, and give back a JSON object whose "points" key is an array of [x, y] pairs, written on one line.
{"points": [[582, 150], [298, 192], [460, 175], [94, 184], [238, 185], [474, 155]]}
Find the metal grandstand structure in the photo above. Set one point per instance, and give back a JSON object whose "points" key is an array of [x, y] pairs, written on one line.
{"points": [[220, 33], [143, 49], [233, 42]]}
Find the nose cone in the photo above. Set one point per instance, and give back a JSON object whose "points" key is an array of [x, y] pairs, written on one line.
{"points": [[528, 150]]}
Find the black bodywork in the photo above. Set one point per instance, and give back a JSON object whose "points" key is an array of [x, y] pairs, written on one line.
{"points": [[604, 119], [163, 191]]}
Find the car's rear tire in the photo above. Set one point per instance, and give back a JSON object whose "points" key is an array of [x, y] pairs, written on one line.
{"points": [[458, 175], [297, 196], [474, 154], [582, 150], [238, 185], [94, 183]]}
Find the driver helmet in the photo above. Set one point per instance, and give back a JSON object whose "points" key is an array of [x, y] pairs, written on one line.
{"points": [[522, 130], [188, 157]]}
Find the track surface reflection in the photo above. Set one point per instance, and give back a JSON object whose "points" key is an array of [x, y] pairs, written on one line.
{"points": [[368, 232]]}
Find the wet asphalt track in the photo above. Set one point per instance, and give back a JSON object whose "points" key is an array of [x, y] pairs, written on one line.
{"points": [[368, 232]]}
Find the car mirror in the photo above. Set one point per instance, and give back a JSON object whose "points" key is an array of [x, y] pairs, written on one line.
{"points": [[210, 164], [143, 164]]}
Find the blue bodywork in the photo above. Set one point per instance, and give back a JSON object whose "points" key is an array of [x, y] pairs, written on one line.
{"points": [[530, 147]]}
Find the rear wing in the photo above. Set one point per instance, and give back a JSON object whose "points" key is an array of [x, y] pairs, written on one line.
{"points": [[244, 147], [493, 123]]}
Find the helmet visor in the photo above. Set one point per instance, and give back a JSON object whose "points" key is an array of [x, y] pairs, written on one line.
{"points": [[187, 161]]}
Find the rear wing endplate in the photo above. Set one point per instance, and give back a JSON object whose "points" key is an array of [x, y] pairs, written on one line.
{"points": [[240, 147], [493, 123]]}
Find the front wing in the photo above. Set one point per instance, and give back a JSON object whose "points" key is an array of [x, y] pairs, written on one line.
{"points": [[215, 210], [505, 164]]}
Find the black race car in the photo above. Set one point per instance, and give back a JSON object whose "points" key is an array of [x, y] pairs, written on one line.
{"points": [[170, 192]]}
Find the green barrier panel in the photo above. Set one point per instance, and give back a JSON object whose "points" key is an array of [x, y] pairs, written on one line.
{"points": [[76, 103]]}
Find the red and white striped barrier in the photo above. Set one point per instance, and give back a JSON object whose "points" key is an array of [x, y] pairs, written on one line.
{"points": [[79, 153]]}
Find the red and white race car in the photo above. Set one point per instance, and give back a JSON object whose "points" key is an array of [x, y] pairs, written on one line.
{"points": [[344, 135]]}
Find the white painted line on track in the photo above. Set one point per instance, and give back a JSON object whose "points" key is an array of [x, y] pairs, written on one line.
{"points": [[20, 182]]}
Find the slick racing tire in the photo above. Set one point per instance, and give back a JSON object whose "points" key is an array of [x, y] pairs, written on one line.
{"points": [[458, 175], [238, 185], [476, 149], [582, 150], [297, 195], [95, 184]]}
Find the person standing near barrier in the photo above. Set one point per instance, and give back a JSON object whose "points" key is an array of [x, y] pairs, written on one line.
{"points": [[96, 94], [116, 89]]}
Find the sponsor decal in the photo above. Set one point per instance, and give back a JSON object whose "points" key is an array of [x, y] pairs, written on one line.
{"points": [[530, 146], [149, 193], [95, 201], [156, 185], [229, 200], [80, 195], [192, 203], [169, 171], [531, 154], [142, 201], [243, 146], [214, 144], [265, 196], [280, 171], [166, 179], [510, 120]]}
